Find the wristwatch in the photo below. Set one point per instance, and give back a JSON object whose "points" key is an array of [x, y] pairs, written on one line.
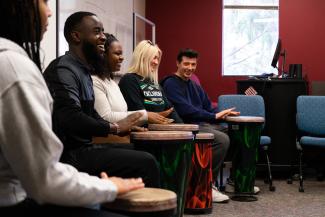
{"points": [[114, 128]]}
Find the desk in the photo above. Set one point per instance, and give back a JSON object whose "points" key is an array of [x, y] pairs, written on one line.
{"points": [[280, 115]]}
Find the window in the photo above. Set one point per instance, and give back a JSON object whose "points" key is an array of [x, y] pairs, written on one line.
{"points": [[250, 34]]}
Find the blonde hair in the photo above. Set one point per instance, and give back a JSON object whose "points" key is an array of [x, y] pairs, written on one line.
{"points": [[143, 54]]}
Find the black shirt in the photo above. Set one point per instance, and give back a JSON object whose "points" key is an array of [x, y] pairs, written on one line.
{"points": [[75, 121], [140, 94]]}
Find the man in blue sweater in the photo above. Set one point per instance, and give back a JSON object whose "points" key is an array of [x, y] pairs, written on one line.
{"points": [[194, 106]]}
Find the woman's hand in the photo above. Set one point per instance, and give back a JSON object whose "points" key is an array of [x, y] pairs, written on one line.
{"points": [[124, 185], [155, 118], [167, 112]]}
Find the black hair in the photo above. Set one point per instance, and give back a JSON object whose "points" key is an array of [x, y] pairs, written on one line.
{"points": [[73, 21], [110, 38], [187, 52], [20, 22]]}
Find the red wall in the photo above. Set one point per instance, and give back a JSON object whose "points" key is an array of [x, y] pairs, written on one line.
{"points": [[197, 24], [302, 30]]}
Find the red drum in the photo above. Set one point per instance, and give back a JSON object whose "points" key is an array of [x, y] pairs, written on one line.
{"points": [[199, 191]]}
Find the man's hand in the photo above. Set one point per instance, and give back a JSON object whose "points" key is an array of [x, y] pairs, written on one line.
{"points": [[124, 185], [126, 124], [227, 112], [156, 118]]}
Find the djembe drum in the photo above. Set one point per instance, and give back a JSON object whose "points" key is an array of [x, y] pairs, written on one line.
{"points": [[244, 133], [199, 191], [173, 151], [174, 127], [145, 202]]}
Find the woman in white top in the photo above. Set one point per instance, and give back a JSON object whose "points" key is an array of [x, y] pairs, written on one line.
{"points": [[109, 101]]}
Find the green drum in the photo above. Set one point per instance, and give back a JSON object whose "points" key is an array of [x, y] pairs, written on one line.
{"points": [[173, 151], [244, 133]]}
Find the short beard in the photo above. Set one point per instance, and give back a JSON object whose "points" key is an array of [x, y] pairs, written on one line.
{"points": [[93, 57]]}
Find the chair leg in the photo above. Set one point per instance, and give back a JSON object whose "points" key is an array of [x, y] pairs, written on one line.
{"points": [[290, 179], [301, 179], [270, 179]]}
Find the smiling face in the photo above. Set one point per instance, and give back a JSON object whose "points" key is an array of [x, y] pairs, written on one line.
{"points": [[154, 63], [186, 67], [92, 35], [114, 56]]}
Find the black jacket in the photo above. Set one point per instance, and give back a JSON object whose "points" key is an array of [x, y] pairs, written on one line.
{"points": [[75, 121]]}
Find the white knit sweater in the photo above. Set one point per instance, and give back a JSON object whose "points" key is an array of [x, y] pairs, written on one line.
{"points": [[109, 101]]}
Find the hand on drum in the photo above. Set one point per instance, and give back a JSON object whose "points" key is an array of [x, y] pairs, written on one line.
{"points": [[129, 123], [124, 185], [227, 112], [167, 112], [156, 118]]}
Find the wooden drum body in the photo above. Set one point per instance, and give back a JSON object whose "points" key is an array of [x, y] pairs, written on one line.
{"points": [[173, 151], [244, 133], [146, 202], [199, 191]]}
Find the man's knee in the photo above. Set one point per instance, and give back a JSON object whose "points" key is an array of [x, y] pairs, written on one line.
{"points": [[222, 140]]}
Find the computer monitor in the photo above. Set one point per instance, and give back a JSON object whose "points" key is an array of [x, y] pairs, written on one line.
{"points": [[276, 58], [277, 54]]}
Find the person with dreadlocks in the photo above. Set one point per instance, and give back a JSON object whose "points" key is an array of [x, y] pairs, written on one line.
{"points": [[110, 103], [32, 180]]}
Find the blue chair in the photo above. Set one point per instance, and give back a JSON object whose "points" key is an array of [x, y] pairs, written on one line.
{"points": [[249, 106], [311, 127]]}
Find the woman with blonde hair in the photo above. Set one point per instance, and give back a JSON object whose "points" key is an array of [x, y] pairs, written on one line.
{"points": [[140, 86], [109, 102]]}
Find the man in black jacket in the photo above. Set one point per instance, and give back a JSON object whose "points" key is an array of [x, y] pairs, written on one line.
{"points": [[75, 120]]}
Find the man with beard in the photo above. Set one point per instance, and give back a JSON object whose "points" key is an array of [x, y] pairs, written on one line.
{"points": [[75, 120]]}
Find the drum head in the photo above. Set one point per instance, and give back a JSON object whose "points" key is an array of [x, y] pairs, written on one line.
{"points": [[245, 119], [174, 127], [145, 200], [161, 135], [204, 136]]}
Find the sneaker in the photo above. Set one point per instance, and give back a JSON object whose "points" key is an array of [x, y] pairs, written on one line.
{"points": [[218, 197], [230, 188]]}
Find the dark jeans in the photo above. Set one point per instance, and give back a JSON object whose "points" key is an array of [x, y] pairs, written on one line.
{"points": [[219, 148], [30, 208], [116, 160]]}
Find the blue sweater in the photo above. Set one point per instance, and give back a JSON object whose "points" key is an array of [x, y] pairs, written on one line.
{"points": [[189, 99]]}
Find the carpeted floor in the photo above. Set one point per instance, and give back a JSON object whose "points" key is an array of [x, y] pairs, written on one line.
{"points": [[286, 201]]}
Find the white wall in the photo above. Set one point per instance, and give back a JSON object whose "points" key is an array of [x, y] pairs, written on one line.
{"points": [[116, 15]]}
